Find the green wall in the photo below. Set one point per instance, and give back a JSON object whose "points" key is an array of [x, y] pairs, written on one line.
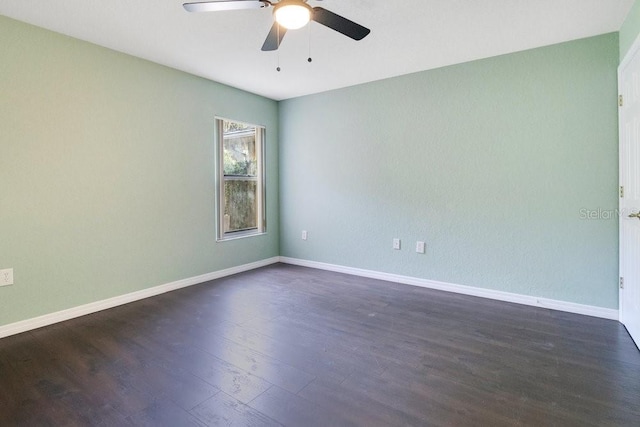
{"points": [[490, 162], [630, 29], [107, 173]]}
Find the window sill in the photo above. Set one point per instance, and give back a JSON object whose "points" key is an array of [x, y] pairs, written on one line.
{"points": [[237, 236]]}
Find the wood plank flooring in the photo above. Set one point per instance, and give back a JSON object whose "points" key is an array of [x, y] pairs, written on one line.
{"points": [[290, 346]]}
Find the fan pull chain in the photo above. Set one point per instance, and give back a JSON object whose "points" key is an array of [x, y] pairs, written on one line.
{"points": [[309, 59], [278, 48]]}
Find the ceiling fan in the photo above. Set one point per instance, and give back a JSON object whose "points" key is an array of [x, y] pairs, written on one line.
{"points": [[288, 15]]}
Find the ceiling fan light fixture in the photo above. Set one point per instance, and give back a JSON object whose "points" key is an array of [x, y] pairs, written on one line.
{"points": [[292, 14]]}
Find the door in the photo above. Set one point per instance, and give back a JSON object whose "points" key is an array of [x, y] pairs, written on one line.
{"points": [[629, 116]]}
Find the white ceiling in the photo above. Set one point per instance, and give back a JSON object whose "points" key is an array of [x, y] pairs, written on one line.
{"points": [[406, 36]]}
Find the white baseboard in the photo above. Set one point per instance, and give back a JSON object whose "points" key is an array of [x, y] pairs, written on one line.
{"points": [[60, 316], [587, 310]]}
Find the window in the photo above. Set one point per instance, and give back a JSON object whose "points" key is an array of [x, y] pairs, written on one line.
{"points": [[241, 192]]}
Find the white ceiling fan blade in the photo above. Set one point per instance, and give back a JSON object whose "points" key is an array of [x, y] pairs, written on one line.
{"points": [[213, 6]]}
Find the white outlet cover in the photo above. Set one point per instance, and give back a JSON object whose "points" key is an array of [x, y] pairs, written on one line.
{"points": [[6, 277], [396, 244], [420, 247]]}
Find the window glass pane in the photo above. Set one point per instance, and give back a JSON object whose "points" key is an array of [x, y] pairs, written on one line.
{"points": [[240, 201], [240, 152]]}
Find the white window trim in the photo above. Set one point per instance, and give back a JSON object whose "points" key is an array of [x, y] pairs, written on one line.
{"points": [[261, 208]]}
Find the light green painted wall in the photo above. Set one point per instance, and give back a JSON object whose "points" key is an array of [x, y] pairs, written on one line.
{"points": [[489, 162], [106, 173], [630, 29]]}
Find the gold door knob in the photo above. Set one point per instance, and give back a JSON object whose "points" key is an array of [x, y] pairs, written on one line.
{"points": [[635, 215]]}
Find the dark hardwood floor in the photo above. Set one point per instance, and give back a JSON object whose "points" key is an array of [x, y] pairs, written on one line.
{"points": [[286, 345]]}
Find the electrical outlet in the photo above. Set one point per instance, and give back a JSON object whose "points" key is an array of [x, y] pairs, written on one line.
{"points": [[304, 235], [6, 277], [396, 244], [420, 247]]}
